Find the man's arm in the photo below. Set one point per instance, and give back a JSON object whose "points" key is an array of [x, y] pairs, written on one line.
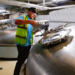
{"points": [[19, 22]]}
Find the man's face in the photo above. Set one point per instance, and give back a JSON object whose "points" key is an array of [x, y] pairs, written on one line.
{"points": [[31, 15]]}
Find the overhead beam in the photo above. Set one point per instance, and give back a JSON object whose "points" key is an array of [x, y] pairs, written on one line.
{"points": [[23, 4], [28, 5]]}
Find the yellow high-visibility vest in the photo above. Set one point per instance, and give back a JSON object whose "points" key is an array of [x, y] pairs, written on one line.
{"points": [[21, 34]]}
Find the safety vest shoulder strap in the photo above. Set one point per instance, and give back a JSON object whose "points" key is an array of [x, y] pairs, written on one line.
{"points": [[25, 18], [23, 26]]}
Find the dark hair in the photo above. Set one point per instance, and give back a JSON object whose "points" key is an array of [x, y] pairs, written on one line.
{"points": [[32, 9]]}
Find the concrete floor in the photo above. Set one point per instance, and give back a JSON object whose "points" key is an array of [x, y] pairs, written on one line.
{"points": [[7, 67]]}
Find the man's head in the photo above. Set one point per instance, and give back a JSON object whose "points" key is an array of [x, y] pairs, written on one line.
{"points": [[32, 12]]}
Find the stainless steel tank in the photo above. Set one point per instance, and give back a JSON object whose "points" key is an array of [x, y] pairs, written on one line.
{"points": [[57, 59], [7, 37], [8, 49]]}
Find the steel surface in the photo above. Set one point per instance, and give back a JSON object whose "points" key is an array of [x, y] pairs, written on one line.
{"points": [[58, 59]]}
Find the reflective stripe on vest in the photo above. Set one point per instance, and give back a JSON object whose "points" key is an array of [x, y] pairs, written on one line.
{"points": [[21, 34]]}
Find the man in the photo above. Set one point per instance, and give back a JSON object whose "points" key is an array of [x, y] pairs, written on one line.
{"points": [[24, 37]]}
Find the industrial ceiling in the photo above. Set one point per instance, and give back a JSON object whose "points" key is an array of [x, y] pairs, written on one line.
{"points": [[39, 4]]}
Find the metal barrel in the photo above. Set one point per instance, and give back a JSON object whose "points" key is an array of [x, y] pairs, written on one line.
{"points": [[58, 59]]}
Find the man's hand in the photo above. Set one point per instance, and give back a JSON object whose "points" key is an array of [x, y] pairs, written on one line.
{"points": [[33, 22]]}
